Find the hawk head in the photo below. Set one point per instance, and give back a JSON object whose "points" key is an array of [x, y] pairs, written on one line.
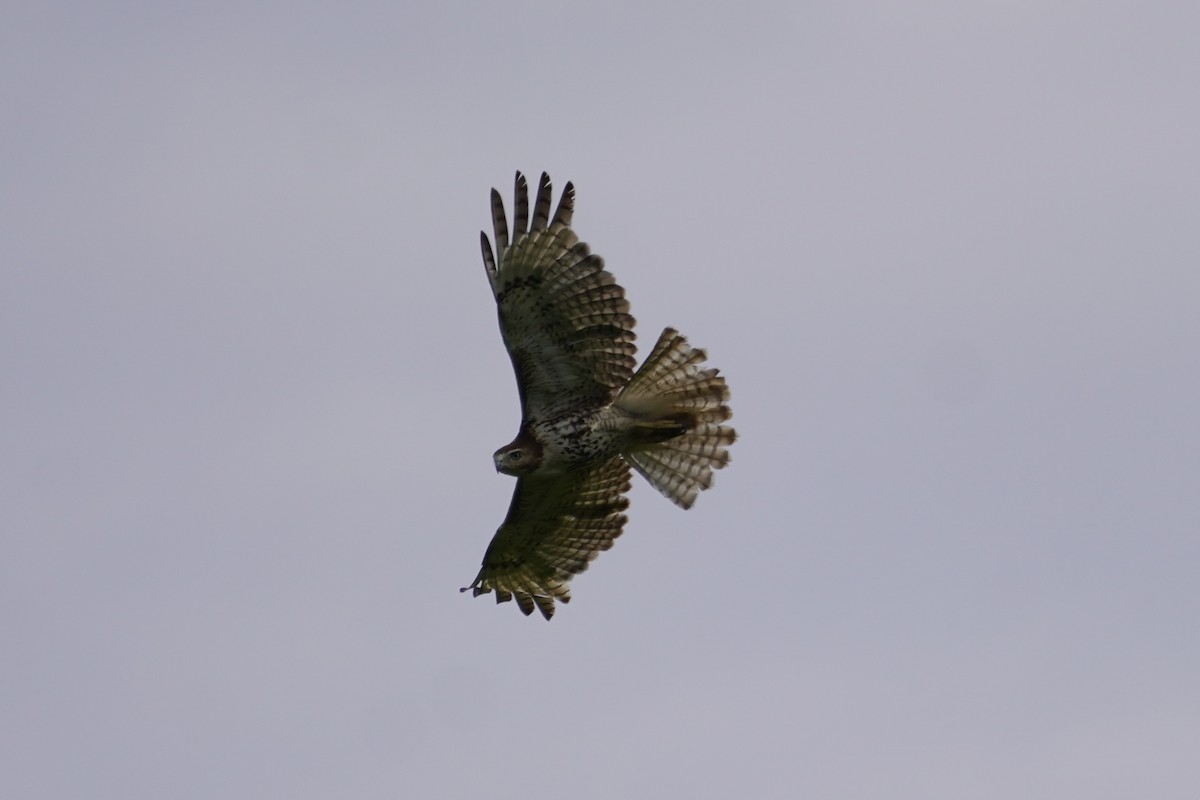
{"points": [[519, 456]]}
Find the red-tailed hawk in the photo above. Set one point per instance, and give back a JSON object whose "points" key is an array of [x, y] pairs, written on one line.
{"points": [[586, 416]]}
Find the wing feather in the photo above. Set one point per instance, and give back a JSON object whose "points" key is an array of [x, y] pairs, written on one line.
{"points": [[489, 259], [563, 317], [499, 223], [566, 206], [520, 204], [555, 527], [541, 206]]}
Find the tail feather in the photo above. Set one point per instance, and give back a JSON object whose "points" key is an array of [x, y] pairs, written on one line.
{"points": [[677, 406]]}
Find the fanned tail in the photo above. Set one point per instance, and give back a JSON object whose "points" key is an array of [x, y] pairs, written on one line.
{"points": [[677, 439]]}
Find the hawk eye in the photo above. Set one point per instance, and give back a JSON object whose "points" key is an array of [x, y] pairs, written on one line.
{"points": [[515, 455]]}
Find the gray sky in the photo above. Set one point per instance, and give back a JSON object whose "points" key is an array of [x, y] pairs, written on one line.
{"points": [[947, 255]]}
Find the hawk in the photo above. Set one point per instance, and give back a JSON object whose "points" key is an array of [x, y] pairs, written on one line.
{"points": [[586, 416]]}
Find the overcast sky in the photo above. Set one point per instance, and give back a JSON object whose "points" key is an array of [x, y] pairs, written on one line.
{"points": [[947, 254]]}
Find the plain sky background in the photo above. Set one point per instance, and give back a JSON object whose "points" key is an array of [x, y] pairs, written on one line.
{"points": [[947, 254]]}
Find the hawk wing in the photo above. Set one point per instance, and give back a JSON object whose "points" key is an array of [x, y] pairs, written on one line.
{"points": [[555, 526], [564, 319]]}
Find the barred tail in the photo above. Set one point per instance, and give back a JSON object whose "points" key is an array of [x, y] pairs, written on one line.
{"points": [[677, 439]]}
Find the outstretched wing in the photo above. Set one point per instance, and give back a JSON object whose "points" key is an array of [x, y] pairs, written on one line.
{"points": [[564, 319], [555, 526]]}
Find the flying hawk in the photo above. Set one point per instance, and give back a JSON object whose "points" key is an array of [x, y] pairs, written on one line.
{"points": [[586, 415]]}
